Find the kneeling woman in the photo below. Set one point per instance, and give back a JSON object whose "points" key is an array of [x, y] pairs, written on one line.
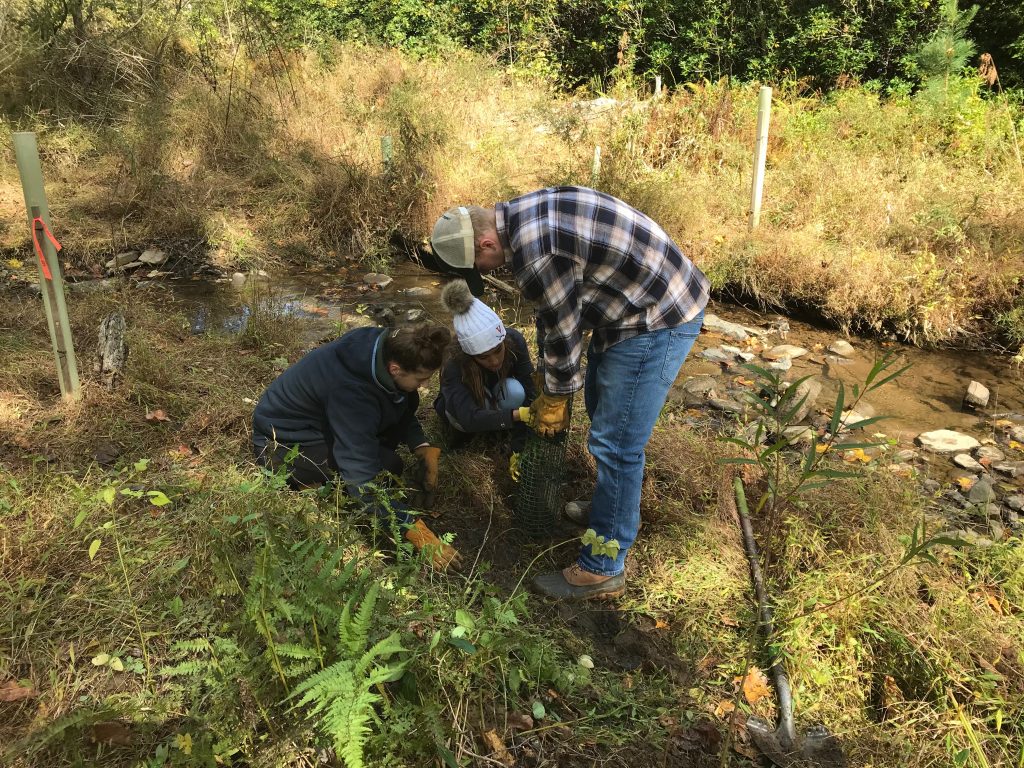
{"points": [[486, 382], [345, 407]]}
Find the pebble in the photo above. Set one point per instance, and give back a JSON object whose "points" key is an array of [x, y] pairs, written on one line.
{"points": [[1017, 433], [977, 395], [238, 281], [842, 348], [808, 392], [907, 454], [416, 291], [982, 492], [1016, 502], [931, 486], [414, 315], [782, 364], [729, 406], [377, 279]]}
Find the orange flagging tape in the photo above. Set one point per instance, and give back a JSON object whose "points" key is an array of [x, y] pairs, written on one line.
{"points": [[39, 224]]}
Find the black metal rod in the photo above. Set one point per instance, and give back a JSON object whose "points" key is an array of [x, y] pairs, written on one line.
{"points": [[766, 620]]}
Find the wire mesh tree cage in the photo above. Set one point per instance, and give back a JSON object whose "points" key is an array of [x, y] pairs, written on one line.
{"points": [[540, 491]]}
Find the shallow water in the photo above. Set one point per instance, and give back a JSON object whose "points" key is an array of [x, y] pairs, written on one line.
{"points": [[928, 396]]}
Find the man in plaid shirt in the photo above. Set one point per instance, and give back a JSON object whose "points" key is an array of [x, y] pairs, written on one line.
{"points": [[589, 261]]}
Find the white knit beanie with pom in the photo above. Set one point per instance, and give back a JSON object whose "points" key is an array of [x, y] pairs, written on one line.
{"points": [[477, 326]]}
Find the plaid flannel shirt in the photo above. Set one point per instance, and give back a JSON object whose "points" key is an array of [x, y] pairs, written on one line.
{"points": [[589, 261]]}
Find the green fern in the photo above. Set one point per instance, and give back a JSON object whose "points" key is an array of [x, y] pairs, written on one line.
{"points": [[342, 696]]}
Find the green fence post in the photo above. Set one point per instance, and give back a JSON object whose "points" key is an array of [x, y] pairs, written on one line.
{"points": [[51, 282]]}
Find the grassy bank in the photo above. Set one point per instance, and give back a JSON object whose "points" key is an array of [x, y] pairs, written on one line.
{"points": [[163, 601], [898, 216]]}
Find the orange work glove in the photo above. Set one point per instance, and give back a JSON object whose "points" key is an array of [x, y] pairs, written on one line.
{"points": [[550, 414], [442, 556], [426, 475]]}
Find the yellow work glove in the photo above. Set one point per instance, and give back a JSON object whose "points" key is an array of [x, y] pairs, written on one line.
{"points": [[442, 556], [550, 414], [524, 414], [513, 467], [426, 474]]}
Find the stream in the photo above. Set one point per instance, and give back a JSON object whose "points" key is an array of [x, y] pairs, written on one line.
{"points": [[928, 396]]}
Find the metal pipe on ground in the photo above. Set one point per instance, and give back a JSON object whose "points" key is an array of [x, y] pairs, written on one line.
{"points": [[783, 745]]}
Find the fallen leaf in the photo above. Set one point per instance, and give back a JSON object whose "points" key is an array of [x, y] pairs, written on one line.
{"points": [[660, 624], [1003, 423], [992, 600], [14, 263], [13, 691], [857, 454], [966, 483], [729, 621], [725, 707], [157, 416], [110, 733], [498, 750], [822, 447], [755, 685], [520, 721], [743, 382], [1016, 446]]}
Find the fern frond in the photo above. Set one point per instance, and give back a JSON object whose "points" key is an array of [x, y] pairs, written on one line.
{"points": [[353, 632]]}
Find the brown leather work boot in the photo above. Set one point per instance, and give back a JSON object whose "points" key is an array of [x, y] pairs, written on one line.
{"points": [[574, 583]]}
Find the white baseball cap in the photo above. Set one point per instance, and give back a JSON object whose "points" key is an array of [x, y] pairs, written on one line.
{"points": [[453, 241]]}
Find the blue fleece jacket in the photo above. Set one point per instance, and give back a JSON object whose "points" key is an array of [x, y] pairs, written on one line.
{"points": [[342, 396]]}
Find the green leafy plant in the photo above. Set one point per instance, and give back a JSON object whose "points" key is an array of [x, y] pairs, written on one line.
{"points": [[776, 406], [341, 696]]}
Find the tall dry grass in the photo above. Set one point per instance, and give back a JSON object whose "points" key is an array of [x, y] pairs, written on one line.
{"points": [[879, 215]]}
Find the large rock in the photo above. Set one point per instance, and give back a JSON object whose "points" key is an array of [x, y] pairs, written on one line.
{"points": [[1016, 503], [783, 364], [714, 324], [808, 391], [696, 388], [946, 441], [982, 492], [726, 354], [1011, 468], [126, 257], [842, 348], [976, 397], [1017, 433], [153, 256], [798, 434], [989, 452]]}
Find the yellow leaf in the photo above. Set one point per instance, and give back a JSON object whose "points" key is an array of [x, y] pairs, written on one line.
{"points": [[857, 454], [724, 708], [821, 447], [14, 263], [1016, 446], [183, 741], [1003, 423], [755, 685], [660, 624], [966, 483]]}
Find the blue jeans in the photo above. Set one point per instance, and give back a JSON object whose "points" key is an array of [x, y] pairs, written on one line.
{"points": [[625, 390]]}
